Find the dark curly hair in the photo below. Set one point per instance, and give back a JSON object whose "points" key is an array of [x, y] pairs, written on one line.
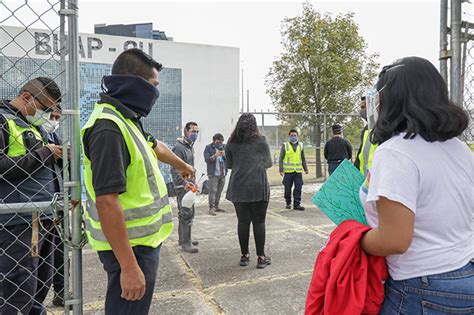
{"points": [[414, 99], [246, 129]]}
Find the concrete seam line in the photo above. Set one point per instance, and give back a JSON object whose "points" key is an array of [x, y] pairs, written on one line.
{"points": [[260, 280], [295, 224], [195, 281]]}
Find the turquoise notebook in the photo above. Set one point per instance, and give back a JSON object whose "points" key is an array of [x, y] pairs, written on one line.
{"points": [[338, 198]]}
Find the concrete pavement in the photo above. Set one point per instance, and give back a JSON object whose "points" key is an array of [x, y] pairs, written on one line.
{"points": [[212, 282]]}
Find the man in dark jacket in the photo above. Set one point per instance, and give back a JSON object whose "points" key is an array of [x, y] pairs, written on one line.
{"points": [[214, 155], [337, 149], [185, 151], [363, 115], [27, 172]]}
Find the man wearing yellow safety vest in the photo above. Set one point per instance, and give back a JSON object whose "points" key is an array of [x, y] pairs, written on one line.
{"points": [[28, 175], [292, 163], [128, 215], [366, 150]]}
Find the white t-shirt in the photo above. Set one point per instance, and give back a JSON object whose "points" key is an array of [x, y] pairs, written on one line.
{"points": [[436, 181]]}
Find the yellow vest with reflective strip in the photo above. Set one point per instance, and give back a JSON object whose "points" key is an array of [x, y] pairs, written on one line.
{"points": [[292, 161], [16, 145], [148, 215], [366, 154]]}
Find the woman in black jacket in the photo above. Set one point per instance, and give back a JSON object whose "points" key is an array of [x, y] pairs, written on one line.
{"points": [[248, 155]]}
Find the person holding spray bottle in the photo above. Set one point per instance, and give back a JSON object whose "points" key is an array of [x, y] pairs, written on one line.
{"points": [[185, 151]]}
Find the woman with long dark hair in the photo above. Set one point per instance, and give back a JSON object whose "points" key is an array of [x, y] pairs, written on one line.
{"points": [[248, 155], [419, 195]]}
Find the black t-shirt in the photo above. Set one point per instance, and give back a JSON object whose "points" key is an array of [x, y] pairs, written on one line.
{"points": [[337, 149], [107, 151]]}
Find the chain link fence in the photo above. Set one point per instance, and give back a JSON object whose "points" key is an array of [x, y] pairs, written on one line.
{"points": [[468, 80], [314, 131], [40, 216]]}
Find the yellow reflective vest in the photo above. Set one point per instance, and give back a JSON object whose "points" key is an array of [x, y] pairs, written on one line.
{"points": [[366, 153], [145, 203], [292, 161]]}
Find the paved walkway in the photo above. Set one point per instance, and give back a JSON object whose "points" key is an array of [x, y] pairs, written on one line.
{"points": [[212, 282]]}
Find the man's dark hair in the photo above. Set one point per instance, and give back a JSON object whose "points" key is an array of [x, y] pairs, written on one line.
{"points": [[292, 130], [189, 124], [362, 98], [218, 136], [40, 86], [135, 62], [414, 99]]}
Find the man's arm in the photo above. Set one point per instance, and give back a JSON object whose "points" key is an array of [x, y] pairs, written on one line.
{"points": [[112, 220], [208, 156], [326, 150], [281, 158], [167, 156], [349, 150], [177, 179], [303, 160]]}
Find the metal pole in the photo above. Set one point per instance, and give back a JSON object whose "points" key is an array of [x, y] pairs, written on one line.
{"points": [[66, 135], [242, 96], [263, 123], [325, 140], [248, 100], [74, 125], [456, 38], [443, 41]]}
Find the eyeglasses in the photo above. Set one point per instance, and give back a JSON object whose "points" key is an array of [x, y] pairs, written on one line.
{"points": [[46, 109]]}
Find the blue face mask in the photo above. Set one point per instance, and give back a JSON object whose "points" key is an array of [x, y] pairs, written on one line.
{"points": [[293, 139], [193, 137]]}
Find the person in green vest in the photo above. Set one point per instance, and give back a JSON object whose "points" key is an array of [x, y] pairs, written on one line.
{"points": [[128, 215], [366, 150], [292, 163], [28, 173]]}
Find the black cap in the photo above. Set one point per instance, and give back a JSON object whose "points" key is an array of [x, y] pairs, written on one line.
{"points": [[336, 128]]}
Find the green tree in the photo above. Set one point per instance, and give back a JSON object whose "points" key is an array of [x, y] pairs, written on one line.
{"points": [[324, 68]]}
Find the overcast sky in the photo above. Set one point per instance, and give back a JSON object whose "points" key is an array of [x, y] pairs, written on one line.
{"points": [[394, 29]]}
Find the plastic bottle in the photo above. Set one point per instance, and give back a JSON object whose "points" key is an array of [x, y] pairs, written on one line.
{"points": [[189, 197]]}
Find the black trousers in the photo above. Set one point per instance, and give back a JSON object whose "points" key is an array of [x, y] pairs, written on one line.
{"points": [[58, 278], [25, 279], [288, 180], [255, 213], [148, 259], [332, 165]]}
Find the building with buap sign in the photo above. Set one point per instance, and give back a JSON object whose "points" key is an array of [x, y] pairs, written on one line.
{"points": [[198, 83]]}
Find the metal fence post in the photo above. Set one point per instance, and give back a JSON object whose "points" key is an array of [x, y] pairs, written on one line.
{"points": [[75, 183], [456, 39], [443, 41]]}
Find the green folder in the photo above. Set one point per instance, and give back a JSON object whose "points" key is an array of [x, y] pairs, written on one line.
{"points": [[338, 198]]}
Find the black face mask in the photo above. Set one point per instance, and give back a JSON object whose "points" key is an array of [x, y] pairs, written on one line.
{"points": [[133, 91]]}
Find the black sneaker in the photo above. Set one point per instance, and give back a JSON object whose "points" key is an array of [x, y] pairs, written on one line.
{"points": [[263, 262], [244, 260], [288, 206], [299, 207]]}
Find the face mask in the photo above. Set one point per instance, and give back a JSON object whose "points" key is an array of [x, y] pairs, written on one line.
{"points": [[193, 137], [51, 125], [293, 139], [39, 118]]}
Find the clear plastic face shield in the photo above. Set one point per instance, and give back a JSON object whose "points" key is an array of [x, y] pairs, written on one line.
{"points": [[372, 101]]}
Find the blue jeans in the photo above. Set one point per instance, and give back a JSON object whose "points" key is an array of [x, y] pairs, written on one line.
{"points": [[447, 293], [148, 259]]}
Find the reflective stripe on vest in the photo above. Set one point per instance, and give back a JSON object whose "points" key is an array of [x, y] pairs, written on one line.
{"points": [[366, 154], [133, 232], [153, 216], [292, 161]]}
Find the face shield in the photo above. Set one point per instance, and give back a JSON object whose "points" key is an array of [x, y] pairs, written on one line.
{"points": [[372, 101]]}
